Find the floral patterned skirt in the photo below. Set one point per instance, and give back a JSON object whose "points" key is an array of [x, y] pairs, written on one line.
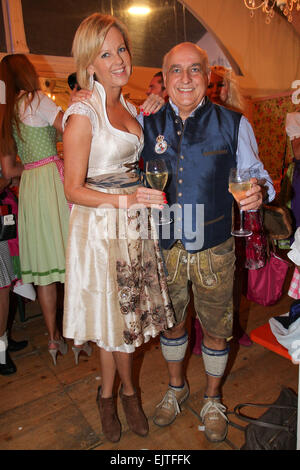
{"points": [[115, 290]]}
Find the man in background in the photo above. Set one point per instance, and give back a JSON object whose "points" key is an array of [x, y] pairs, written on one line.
{"points": [[156, 86]]}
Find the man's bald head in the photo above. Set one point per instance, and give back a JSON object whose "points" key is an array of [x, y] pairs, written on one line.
{"points": [[186, 76], [182, 46]]}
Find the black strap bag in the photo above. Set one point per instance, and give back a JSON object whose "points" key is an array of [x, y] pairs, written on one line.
{"points": [[8, 221], [276, 429], [8, 227]]}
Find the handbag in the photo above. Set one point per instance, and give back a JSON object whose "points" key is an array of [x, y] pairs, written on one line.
{"points": [[8, 223], [265, 284], [276, 429]]}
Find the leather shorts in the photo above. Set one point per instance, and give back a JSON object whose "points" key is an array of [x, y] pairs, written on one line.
{"points": [[211, 274]]}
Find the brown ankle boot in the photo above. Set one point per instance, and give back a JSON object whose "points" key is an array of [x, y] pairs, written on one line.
{"points": [[135, 417], [111, 425]]}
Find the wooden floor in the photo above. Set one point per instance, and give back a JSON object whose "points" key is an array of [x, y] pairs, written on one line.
{"points": [[48, 407]]}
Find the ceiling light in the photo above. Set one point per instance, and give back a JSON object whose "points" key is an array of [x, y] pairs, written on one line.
{"points": [[267, 6], [139, 10]]}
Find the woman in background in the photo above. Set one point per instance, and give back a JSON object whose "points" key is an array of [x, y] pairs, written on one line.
{"points": [[28, 124], [9, 274], [7, 278], [223, 89]]}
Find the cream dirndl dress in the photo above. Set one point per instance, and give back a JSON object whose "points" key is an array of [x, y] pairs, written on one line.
{"points": [[115, 290]]}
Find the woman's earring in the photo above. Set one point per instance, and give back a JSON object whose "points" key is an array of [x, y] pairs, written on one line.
{"points": [[91, 82]]}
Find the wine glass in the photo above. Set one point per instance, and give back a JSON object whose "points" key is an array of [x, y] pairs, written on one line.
{"points": [[157, 177], [239, 184]]}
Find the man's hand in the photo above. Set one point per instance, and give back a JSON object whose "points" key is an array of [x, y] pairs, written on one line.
{"points": [[79, 95], [255, 196]]}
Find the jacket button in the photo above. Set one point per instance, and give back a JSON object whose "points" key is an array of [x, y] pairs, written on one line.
{"points": [[180, 181], [179, 194], [179, 132], [182, 157]]}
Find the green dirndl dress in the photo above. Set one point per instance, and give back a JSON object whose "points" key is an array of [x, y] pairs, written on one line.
{"points": [[43, 209]]}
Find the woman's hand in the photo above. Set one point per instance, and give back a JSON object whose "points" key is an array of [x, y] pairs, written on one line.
{"points": [[147, 197], [152, 104]]}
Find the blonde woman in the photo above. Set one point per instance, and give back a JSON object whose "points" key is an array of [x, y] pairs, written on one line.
{"points": [[223, 89], [116, 292]]}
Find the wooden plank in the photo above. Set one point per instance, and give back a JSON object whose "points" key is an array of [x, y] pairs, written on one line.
{"points": [[14, 27], [52, 422], [33, 380], [68, 372], [83, 395], [172, 437]]}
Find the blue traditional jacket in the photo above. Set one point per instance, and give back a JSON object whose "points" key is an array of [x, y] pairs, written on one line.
{"points": [[199, 154]]}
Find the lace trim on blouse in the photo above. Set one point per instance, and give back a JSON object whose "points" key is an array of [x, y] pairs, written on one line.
{"points": [[82, 109]]}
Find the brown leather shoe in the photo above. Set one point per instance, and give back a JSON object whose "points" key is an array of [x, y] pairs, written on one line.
{"points": [[111, 425], [135, 416], [213, 415], [169, 407]]}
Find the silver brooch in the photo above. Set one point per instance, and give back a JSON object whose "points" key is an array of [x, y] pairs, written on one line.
{"points": [[161, 144]]}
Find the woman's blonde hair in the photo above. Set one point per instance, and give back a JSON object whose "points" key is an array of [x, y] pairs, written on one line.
{"points": [[88, 41], [235, 99], [18, 74]]}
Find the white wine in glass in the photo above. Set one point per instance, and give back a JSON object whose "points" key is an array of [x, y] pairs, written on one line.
{"points": [[239, 184], [157, 180], [157, 177]]}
